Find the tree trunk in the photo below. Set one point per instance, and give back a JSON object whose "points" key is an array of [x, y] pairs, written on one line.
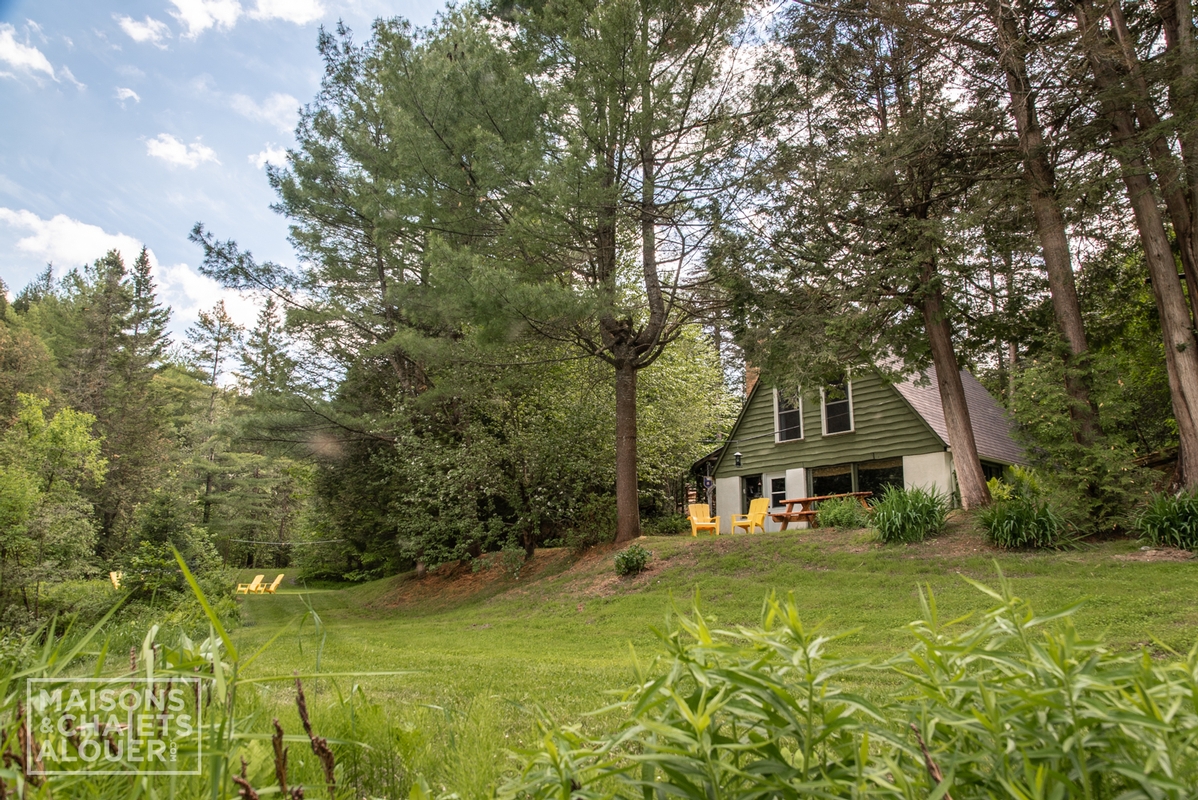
{"points": [[970, 480], [1182, 55], [1040, 179], [1181, 350], [1168, 170], [628, 513]]}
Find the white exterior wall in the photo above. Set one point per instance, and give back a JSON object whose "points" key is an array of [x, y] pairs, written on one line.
{"points": [[727, 501], [796, 486], [929, 471]]}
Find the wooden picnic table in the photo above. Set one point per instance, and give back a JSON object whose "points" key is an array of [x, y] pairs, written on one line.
{"points": [[806, 513]]}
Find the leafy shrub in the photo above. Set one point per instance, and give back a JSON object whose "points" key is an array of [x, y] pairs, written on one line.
{"points": [[909, 515], [1170, 521], [843, 512], [1010, 708], [667, 525], [632, 560], [594, 523], [513, 557], [999, 489], [1020, 521]]}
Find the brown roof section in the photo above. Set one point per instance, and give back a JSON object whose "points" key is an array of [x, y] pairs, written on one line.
{"points": [[992, 428]]}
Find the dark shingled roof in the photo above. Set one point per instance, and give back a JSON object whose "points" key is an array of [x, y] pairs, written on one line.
{"points": [[992, 427]]}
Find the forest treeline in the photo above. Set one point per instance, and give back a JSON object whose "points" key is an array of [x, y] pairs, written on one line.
{"points": [[536, 242], [119, 443]]}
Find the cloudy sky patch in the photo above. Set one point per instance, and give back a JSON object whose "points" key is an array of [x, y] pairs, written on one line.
{"points": [[200, 95]]}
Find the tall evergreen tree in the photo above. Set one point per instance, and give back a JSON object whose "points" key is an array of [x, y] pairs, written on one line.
{"points": [[211, 341], [266, 366]]}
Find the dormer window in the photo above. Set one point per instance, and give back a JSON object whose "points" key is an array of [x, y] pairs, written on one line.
{"points": [[788, 419], [837, 407]]}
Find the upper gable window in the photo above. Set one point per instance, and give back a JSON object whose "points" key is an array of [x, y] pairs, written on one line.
{"points": [[788, 419], [837, 402]]}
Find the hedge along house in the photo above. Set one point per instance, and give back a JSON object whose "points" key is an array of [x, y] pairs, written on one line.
{"points": [[854, 436]]}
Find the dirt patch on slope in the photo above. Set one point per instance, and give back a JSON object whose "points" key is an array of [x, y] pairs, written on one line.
{"points": [[1154, 554], [457, 581]]}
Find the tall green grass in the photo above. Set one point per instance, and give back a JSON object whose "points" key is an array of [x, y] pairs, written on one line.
{"points": [[1170, 521], [348, 748], [909, 515]]}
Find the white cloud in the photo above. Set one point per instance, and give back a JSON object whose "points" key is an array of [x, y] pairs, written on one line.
{"points": [[22, 57], [297, 11], [69, 243], [200, 15], [66, 73], [123, 94], [279, 110], [175, 152], [150, 30], [271, 155], [65, 241]]}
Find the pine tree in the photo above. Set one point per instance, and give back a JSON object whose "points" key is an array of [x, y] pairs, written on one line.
{"points": [[136, 441], [211, 342], [266, 366]]}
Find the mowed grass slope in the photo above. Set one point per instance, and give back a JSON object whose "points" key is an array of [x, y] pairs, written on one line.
{"points": [[485, 652]]}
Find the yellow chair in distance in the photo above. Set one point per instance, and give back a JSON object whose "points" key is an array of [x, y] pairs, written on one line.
{"points": [[701, 519], [755, 518], [264, 589], [251, 587]]}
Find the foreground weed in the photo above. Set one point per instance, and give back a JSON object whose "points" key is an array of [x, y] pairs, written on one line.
{"points": [[227, 755], [1016, 706]]}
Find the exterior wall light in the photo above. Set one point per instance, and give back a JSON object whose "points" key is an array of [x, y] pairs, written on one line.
{"points": [[736, 455]]}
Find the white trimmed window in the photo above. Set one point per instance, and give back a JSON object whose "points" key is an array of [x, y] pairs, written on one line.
{"points": [[836, 407], [788, 419]]}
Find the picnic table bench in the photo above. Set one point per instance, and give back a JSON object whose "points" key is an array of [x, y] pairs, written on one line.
{"points": [[806, 512]]}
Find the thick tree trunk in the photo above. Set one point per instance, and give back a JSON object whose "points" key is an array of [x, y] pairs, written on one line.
{"points": [[1167, 167], [970, 480], [628, 512], [1182, 55], [1040, 179], [1181, 349]]}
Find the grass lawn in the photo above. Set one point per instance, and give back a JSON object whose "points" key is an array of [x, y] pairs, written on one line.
{"points": [[486, 649]]}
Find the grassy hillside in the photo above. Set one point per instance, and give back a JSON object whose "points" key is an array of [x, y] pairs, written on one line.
{"points": [[487, 651]]}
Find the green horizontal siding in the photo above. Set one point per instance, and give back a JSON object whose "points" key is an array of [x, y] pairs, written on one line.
{"points": [[885, 426]]}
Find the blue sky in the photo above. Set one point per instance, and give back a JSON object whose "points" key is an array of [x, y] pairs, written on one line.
{"points": [[126, 123]]}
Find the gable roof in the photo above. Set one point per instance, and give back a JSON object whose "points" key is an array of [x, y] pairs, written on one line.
{"points": [[992, 428]]}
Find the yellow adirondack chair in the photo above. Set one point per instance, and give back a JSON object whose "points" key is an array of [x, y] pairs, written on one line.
{"points": [[264, 589], [755, 518], [115, 577], [251, 587], [701, 519]]}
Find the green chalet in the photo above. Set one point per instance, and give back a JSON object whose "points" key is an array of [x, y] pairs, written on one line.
{"points": [[857, 435]]}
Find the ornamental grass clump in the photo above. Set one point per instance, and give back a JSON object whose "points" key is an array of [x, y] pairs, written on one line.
{"points": [[842, 513], [1021, 522], [1170, 521], [909, 515], [1020, 516]]}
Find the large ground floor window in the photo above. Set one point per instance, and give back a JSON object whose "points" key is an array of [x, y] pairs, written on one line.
{"points": [[862, 476]]}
